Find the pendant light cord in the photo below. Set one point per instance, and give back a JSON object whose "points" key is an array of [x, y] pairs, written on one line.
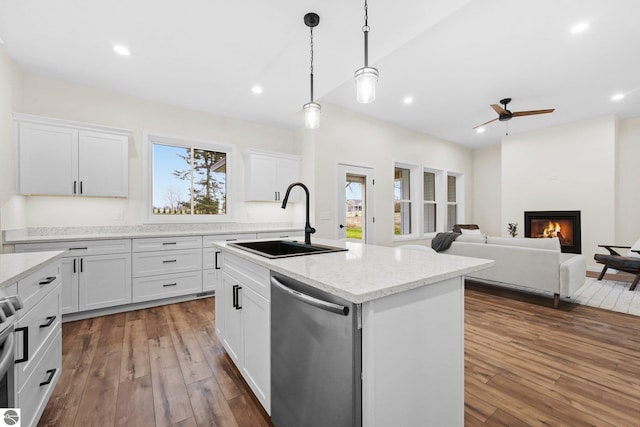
{"points": [[365, 30], [311, 68]]}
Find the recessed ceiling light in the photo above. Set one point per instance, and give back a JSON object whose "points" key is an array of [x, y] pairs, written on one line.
{"points": [[578, 28], [121, 50], [256, 89], [407, 100], [480, 130], [617, 97]]}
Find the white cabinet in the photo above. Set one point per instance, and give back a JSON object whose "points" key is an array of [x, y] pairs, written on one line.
{"points": [[267, 175], [211, 258], [95, 273], [64, 158], [38, 342], [243, 322], [166, 267]]}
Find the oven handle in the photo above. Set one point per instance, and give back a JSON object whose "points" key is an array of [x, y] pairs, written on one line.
{"points": [[7, 356], [25, 343]]}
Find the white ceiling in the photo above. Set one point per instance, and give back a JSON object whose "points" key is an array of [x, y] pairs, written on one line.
{"points": [[454, 57]]}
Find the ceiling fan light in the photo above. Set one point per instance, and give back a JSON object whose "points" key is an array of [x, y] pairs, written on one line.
{"points": [[617, 97], [366, 79], [311, 115]]}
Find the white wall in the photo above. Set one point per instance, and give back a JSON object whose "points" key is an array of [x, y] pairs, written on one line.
{"points": [[347, 137], [570, 167], [627, 206], [54, 98], [487, 197]]}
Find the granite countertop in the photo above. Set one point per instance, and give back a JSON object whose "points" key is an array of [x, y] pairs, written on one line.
{"points": [[14, 267], [61, 234], [367, 272]]}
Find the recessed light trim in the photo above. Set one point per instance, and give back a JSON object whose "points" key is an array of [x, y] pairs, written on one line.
{"points": [[121, 50], [617, 97], [256, 90], [579, 28], [407, 100]]}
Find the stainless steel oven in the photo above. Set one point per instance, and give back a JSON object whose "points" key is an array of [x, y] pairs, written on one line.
{"points": [[8, 317]]}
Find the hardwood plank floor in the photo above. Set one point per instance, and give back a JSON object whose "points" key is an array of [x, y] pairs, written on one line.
{"points": [[526, 364]]}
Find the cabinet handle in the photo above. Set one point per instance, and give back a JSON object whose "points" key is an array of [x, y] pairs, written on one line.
{"points": [[50, 321], [236, 299], [75, 184], [84, 248], [25, 343], [74, 265], [169, 243], [215, 260], [275, 195], [81, 265], [52, 373], [80, 187], [169, 260], [169, 284], [47, 280]]}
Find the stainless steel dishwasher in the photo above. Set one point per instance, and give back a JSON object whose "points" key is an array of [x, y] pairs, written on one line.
{"points": [[316, 357]]}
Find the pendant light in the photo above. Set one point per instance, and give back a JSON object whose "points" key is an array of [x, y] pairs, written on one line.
{"points": [[366, 77], [311, 109]]}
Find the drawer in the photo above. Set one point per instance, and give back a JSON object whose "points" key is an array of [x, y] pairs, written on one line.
{"points": [[154, 263], [41, 324], [291, 234], [209, 280], [79, 247], [166, 286], [34, 287], [167, 243], [207, 241], [249, 274], [36, 391]]}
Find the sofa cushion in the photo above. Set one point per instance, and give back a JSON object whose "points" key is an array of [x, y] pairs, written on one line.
{"points": [[471, 238], [549, 244], [475, 231]]}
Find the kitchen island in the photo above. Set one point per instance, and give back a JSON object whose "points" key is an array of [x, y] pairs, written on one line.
{"points": [[410, 306]]}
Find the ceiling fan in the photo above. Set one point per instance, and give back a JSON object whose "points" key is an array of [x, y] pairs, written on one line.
{"points": [[504, 114]]}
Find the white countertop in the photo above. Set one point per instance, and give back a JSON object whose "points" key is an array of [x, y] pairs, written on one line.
{"points": [[14, 267], [367, 272]]}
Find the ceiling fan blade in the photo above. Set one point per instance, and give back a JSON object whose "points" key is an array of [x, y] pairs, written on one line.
{"points": [[486, 123], [532, 112], [499, 109]]}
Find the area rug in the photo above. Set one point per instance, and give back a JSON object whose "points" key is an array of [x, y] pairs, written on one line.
{"points": [[608, 295]]}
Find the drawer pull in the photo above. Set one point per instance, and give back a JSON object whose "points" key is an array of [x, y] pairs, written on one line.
{"points": [[169, 243], [79, 248], [25, 343], [169, 284], [50, 320], [215, 259], [52, 373], [48, 280], [166, 261], [231, 240]]}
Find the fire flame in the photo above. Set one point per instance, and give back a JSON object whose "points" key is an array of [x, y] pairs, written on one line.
{"points": [[551, 230]]}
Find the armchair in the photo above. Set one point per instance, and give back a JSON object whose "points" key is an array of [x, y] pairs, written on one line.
{"points": [[628, 264]]}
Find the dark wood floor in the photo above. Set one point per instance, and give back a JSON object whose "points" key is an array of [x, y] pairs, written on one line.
{"points": [[526, 364]]}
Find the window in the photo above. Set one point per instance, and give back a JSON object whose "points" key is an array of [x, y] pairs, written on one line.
{"points": [[454, 199], [402, 199], [430, 221], [188, 180]]}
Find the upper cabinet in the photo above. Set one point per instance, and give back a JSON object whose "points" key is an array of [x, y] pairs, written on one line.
{"points": [[268, 174], [59, 157]]}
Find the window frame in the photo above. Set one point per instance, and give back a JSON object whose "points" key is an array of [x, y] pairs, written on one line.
{"points": [[459, 203], [151, 138], [439, 200], [414, 197]]}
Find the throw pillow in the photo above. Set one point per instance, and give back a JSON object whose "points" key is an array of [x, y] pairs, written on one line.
{"points": [[476, 232]]}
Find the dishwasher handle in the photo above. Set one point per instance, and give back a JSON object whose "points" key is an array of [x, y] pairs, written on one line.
{"points": [[325, 305]]}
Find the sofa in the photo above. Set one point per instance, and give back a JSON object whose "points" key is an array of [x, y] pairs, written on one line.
{"points": [[537, 264]]}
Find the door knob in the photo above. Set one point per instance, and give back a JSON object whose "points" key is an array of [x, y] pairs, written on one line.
{"points": [[341, 226]]}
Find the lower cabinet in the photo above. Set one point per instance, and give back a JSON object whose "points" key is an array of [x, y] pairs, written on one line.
{"points": [[104, 281], [243, 322]]}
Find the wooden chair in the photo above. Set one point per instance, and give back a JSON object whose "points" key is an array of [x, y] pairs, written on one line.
{"points": [[458, 227], [619, 262]]}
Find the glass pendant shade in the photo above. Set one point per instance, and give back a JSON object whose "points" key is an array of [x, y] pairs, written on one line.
{"points": [[311, 115], [366, 79]]}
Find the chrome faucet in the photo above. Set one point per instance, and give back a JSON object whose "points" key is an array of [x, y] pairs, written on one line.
{"points": [[308, 229]]}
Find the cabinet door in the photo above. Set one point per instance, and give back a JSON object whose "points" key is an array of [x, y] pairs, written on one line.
{"points": [[48, 159], [103, 164], [288, 172], [257, 346], [260, 182], [232, 314], [105, 281], [69, 286]]}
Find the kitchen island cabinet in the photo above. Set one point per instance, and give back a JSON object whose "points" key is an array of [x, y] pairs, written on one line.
{"points": [[411, 306]]}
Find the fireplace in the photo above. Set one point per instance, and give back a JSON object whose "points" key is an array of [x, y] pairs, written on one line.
{"points": [[562, 224]]}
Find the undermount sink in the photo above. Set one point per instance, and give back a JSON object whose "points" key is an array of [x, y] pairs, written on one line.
{"points": [[284, 248]]}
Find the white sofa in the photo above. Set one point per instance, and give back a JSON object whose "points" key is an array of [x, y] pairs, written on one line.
{"points": [[531, 263]]}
